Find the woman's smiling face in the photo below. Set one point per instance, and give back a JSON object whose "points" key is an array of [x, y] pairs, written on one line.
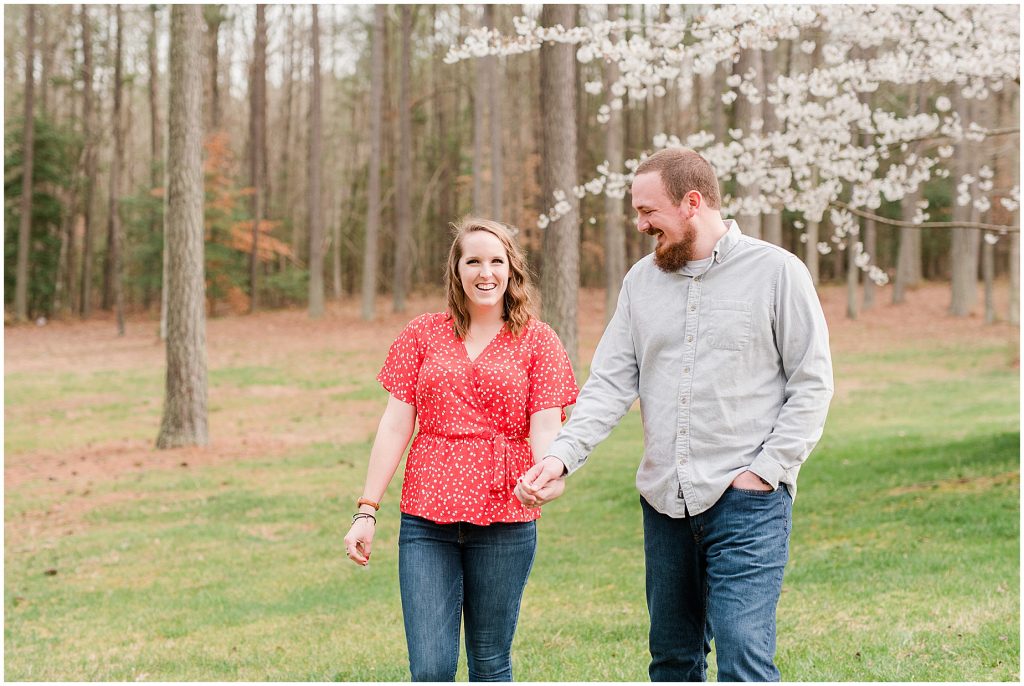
{"points": [[483, 269]]}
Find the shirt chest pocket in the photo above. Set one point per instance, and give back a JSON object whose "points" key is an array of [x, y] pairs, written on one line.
{"points": [[728, 324]]}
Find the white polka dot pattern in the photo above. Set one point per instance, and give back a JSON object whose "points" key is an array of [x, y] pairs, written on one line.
{"points": [[474, 416]]}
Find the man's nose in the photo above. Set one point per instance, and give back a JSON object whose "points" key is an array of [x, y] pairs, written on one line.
{"points": [[641, 224]]}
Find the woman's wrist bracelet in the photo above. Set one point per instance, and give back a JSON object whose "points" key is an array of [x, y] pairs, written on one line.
{"points": [[364, 515]]}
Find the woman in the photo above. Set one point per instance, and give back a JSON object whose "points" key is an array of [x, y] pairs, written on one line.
{"points": [[481, 378]]}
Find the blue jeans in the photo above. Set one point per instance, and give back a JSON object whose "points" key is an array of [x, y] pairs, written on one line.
{"points": [[451, 571], [717, 575]]}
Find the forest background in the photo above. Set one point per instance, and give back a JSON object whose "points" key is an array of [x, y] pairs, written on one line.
{"points": [[879, 144]]}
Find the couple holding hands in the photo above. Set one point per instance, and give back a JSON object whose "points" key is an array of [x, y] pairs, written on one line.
{"points": [[722, 338]]}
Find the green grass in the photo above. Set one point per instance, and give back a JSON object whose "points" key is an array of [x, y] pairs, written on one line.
{"points": [[904, 563]]}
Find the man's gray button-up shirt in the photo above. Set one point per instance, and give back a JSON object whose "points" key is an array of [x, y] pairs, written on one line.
{"points": [[730, 359]]}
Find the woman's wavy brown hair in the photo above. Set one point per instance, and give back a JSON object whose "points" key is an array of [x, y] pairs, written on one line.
{"points": [[518, 306]]}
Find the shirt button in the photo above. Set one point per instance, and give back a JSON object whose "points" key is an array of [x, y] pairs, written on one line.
{"points": [[689, 339], [697, 279], [692, 308], [682, 432], [686, 370], [683, 401]]}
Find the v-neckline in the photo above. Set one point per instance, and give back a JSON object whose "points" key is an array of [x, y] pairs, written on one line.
{"points": [[465, 350]]}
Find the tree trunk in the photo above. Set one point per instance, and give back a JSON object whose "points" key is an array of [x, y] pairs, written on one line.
{"points": [[316, 238], [811, 254], [85, 289], [369, 286], [1012, 105], [155, 150], [560, 277], [46, 59], [496, 85], [988, 272], [114, 292], [1013, 315], [284, 171], [214, 17], [614, 220], [964, 243], [27, 171], [445, 117], [718, 113], [483, 66], [908, 261], [871, 248], [184, 418], [771, 223], [403, 190], [852, 275], [745, 113], [258, 147]]}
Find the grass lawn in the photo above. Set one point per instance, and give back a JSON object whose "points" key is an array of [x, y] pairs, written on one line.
{"points": [[904, 563]]}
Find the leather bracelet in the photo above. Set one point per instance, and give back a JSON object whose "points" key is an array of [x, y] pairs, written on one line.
{"points": [[364, 515], [367, 501]]}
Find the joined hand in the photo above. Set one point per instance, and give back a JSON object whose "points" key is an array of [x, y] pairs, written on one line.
{"points": [[542, 483]]}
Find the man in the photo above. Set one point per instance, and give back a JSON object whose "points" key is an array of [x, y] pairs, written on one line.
{"points": [[723, 339]]}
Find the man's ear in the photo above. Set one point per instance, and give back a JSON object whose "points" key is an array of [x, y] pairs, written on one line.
{"points": [[694, 200], [691, 204]]}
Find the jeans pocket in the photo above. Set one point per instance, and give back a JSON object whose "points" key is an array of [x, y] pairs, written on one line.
{"points": [[754, 492]]}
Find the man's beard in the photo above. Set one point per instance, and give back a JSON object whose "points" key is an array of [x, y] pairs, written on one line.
{"points": [[672, 257]]}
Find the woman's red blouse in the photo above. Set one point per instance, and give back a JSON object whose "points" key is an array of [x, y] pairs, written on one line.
{"points": [[474, 416]]}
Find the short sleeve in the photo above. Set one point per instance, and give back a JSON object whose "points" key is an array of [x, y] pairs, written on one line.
{"points": [[552, 382], [402, 367]]}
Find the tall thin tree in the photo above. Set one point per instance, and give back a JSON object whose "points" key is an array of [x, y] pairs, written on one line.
{"points": [[560, 276], [213, 15], [27, 170], [965, 243], [316, 238], [614, 219], [184, 419], [113, 291], [494, 107], [89, 185], [258, 146], [369, 285], [403, 189], [482, 69], [155, 145]]}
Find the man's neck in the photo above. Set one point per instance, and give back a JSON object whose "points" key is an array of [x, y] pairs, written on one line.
{"points": [[710, 229]]}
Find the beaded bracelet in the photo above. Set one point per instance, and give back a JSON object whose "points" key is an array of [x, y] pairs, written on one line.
{"points": [[364, 515]]}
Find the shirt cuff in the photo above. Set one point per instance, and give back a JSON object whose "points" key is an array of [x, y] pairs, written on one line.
{"points": [[565, 454], [768, 469]]}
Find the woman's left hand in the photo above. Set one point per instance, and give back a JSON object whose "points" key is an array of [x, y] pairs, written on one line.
{"points": [[532, 498]]}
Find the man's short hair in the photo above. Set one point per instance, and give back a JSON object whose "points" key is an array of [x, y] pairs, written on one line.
{"points": [[683, 170]]}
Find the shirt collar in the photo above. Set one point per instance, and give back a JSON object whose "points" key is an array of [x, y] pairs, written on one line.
{"points": [[727, 242]]}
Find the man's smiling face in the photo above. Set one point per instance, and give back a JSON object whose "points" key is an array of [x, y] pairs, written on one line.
{"points": [[658, 216]]}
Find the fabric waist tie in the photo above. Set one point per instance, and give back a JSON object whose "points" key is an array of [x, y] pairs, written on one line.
{"points": [[502, 477]]}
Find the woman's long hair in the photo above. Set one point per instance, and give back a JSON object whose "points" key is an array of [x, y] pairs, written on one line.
{"points": [[518, 300]]}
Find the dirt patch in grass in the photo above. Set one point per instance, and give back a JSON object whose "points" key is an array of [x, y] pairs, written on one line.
{"points": [[976, 484]]}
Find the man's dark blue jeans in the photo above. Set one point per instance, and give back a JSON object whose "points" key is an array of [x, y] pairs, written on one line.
{"points": [[717, 575], [450, 570]]}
